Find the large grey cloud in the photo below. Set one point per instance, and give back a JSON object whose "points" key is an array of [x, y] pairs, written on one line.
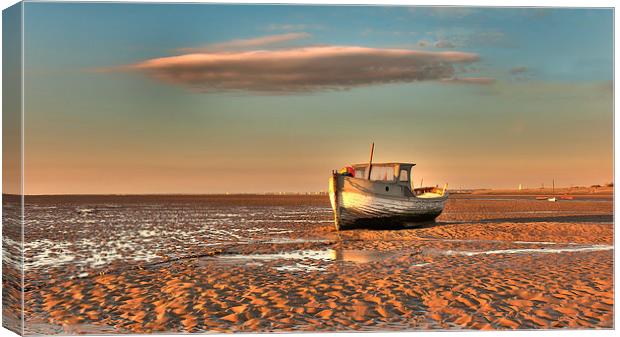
{"points": [[304, 69]]}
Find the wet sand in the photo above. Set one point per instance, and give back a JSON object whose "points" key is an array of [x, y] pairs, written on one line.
{"points": [[275, 263]]}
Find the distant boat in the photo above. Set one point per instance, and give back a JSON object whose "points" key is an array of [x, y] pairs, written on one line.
{"points": [[550, 198], [381, 195]]}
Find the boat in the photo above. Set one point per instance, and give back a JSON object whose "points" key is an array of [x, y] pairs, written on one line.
{"points": [[553, 199], [381, 196]]}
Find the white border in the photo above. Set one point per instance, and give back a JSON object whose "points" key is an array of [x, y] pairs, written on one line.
{"points": [[475, 3]]}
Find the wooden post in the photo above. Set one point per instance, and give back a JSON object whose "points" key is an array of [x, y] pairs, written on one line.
{"points": [[334, 189], [372, 149]]}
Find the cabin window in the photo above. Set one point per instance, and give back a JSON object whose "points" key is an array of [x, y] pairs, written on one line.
{"points": [[404, 175], [382, 173], [360, 173]]}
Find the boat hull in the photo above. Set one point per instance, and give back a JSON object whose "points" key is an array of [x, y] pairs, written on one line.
{"points": [[360, 203]]}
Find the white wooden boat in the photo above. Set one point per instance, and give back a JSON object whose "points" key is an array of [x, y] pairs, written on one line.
{"points": [[382, 197]]}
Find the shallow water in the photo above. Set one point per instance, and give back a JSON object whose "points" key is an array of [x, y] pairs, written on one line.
{"points": [[93, 236], [544, 250], [349, 255], [368, 256]]}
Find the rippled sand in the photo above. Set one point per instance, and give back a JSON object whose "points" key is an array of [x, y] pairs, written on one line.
{"points": [[259, 263]]}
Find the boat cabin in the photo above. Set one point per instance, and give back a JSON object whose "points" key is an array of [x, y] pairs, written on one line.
{"points": [[387, 178], [399, 173], [393, 179]]}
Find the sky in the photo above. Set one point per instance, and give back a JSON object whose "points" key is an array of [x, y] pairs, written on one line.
{"points": [[198, 98]]}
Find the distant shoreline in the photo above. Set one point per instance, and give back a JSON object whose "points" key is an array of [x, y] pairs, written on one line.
{"points": [[169, 194], [210, 199], [602, 190]]}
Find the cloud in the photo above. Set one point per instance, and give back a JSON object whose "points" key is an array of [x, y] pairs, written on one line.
{"points": [[443, 44], [263, 41], [306, 69], [519, 70], [464, 37], [470, 80]]}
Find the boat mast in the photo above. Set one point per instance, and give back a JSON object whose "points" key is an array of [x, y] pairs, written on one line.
{"points": [[372, 149]]}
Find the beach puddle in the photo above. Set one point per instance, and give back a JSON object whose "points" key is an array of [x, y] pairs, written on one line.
{"points": [[289, 240], [347, 255], [592, 248], [361, 256], [300, 267], [324, 255], [497, 247], [308, 260], [41, 327]]}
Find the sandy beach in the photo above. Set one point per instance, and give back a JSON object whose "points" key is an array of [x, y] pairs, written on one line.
{"points": [[275, 263]]}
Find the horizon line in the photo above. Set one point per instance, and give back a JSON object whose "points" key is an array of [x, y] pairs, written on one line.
{"points": [[280, 193]]}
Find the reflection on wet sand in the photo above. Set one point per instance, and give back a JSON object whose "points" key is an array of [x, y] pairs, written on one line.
{"points": [[348, 255]]}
